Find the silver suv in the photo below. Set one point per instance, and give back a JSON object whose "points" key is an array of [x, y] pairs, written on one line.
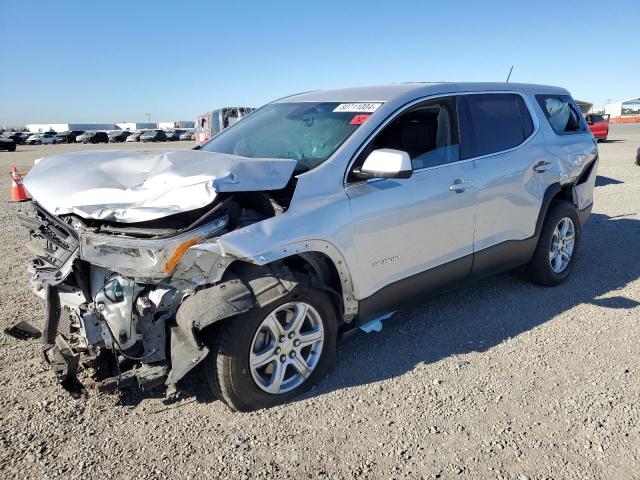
{"points": [[315, 215]]}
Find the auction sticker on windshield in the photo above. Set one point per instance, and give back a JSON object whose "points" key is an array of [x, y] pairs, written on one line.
{"points": [[357, 107]]}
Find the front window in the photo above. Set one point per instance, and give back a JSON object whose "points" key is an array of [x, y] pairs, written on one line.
{"points": [[306, 132]]}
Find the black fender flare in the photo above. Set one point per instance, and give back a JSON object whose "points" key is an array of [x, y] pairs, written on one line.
{"points": [[549, 195], [248, 286]]}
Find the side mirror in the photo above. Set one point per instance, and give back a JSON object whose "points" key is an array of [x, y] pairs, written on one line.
{"points": [[386, 163]]}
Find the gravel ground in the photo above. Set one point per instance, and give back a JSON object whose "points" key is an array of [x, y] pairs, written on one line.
{"points": [[500, 379]]}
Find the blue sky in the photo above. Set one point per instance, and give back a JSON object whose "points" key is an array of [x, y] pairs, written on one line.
{"points": [[93, 61]]}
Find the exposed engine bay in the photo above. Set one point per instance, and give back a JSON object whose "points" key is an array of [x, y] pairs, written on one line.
{"points": [[112, 288]]}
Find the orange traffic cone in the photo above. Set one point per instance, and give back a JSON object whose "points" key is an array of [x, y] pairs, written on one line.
{"points": [[18, 192]]}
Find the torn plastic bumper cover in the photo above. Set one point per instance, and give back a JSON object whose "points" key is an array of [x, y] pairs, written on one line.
{"points": [[55, 350], [252, 286]]}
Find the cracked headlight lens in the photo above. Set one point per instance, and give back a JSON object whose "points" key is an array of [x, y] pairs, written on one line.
{"points": [[151, 259]]}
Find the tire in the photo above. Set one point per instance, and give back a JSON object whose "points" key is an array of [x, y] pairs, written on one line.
{"points": [[540, 270], [227, 367]]}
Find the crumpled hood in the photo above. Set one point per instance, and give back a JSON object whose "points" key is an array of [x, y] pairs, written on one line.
{"points": [[135, 186]]}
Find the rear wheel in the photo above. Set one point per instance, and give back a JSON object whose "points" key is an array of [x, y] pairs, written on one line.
{"points": [[270, 355], [557, 246]]}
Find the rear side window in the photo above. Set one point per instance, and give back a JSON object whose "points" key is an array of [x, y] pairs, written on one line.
{"points": [[561, 113], [494, 122]]}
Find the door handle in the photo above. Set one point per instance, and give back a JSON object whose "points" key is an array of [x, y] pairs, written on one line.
{"points": [[459, 185], [542, 166]]}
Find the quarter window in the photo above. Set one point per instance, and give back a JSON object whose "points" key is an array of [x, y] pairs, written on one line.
{"points": [[494, 122], [561, 113]]}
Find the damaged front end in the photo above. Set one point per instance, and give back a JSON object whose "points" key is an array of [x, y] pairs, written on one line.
{"points": [[109, 298], [112, 287]]}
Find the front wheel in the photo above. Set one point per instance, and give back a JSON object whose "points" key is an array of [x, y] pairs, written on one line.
{"points": [[557, 246], [271, 354]]}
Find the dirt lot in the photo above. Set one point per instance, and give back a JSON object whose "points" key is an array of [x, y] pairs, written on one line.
{"points": [[500, 379]]}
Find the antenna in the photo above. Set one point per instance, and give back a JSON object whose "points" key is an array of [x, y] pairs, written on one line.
{"points": [[509, 76]]}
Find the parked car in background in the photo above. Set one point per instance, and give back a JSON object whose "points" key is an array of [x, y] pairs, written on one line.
{"points": [[15, 136], [401, 192], [134, 137], [188, 135], [118, 136], [69, 136], [153, 136], [7, 144], [211, 123], [42, 139], [599, 125], [93, 137], [173, 135]]}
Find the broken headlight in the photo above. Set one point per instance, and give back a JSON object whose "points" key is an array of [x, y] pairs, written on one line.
{"points": [[152, 259]]}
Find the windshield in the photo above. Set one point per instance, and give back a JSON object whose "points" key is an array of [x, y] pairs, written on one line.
{"points": [[306, 132]]}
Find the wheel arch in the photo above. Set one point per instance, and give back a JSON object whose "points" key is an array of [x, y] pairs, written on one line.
{"points": [[246, 283], [554, 192], [327, 263]]}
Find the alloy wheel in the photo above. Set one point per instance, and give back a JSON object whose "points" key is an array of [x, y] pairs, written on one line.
{"points": [[562, 244], [286, 347]]}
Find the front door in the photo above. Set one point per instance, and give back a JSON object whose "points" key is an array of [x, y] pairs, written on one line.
{"points": [[414, 236]]}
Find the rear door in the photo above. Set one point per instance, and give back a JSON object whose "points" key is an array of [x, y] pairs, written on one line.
{"points": [[498, 133]]}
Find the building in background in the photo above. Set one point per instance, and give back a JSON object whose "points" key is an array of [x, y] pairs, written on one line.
{"points": [[66, 127], [176, 124], [585, 107], [131, 126], [624, 111]]}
